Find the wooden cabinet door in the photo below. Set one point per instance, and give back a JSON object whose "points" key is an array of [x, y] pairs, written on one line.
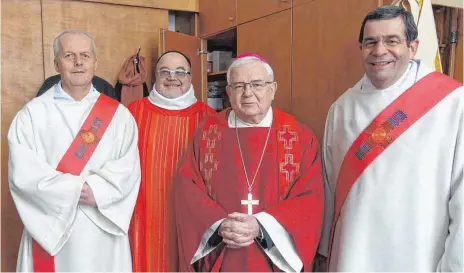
{"points": [[300, 2], [250, 10], [189, 46], [270, 37], [326, 56], [216, 16]]}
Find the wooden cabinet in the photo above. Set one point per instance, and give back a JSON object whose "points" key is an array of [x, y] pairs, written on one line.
{"points": [[118, 31], [216, 16], [250, 10], [270, 37], [300, 2], [326, 57], [185, 5]]}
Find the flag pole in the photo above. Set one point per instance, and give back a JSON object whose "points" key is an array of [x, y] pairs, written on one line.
{"points": [[453, 41]]}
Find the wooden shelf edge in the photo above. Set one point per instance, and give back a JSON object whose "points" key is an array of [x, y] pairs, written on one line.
{"points": [[223, 72]]}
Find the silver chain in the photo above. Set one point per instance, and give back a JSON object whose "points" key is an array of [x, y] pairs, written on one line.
{"points": [[250, 186]]}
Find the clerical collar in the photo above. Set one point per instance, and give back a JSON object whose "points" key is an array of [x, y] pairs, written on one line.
{"points": [[179, 103], [367, 85], [60, 94], [266, 122]]}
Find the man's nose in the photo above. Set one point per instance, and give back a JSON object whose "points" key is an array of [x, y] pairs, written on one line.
{"points": [[247, 90], [172, 76], [379, 49], [78, 61]]}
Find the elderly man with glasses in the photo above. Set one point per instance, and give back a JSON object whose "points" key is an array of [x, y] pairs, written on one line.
{"points": [[249, 195], [166, 121], [394, 159]]}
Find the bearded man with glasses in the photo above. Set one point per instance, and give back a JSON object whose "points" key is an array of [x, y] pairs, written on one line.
{"points": [[249, 195], [166, 121]]}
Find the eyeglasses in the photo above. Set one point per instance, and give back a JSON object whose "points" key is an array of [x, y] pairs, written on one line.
{"points": [[255, 85], [178, 73], [388, 42]]}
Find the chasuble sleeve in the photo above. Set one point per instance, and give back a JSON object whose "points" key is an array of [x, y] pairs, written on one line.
{"points": [[329, 181], [452, 259], [116, 184], [46, 199], [301, 212], [196, 213]]}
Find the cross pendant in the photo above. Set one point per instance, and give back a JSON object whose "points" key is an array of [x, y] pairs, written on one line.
{"points": [[250, 202]]}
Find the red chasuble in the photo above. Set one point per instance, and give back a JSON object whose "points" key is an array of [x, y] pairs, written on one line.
{"points": [[212, 183], [163, 138]]}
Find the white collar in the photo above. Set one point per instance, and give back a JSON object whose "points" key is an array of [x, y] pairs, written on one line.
{"points": [[179, 103], [266, 122], [60, 94]]}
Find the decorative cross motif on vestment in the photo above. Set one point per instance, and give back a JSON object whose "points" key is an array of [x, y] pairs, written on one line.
{"points": [[288, 137], [211, 136], [210, 164], [289, 167]]}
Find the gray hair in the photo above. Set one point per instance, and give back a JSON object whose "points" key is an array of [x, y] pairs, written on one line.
{"points": [[57, 44], [247, 60]]}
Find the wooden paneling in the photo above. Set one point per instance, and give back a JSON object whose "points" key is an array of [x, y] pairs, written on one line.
{"points": [[118, 32], [188, 45], [458, 70], [300, 2], [270, 37], [384, 3], [186, 5], [326, 57], [22, 75], [250, 10], [216, 16]]}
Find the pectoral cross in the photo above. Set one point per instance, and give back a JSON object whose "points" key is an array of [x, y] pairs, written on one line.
{"points": [[250, 202]]}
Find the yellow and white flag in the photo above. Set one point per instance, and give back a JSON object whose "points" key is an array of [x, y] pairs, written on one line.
{"points": [[427, 51]]}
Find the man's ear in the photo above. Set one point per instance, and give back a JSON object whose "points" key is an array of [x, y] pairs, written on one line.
{"points": [[57, 67], [273, 89], [228, 91], [413, 48]]}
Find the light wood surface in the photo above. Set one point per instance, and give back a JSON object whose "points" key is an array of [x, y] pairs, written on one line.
{"points": [[22, 75], [270, 37], [326, 57]]}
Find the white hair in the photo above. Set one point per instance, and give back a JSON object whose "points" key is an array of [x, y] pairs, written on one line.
{"points": [[246, 60], [57, 43]]}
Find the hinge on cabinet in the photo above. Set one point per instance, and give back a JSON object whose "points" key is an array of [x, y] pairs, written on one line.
{"points": [[201, 52]]}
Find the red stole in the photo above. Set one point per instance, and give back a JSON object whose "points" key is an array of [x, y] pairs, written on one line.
{"points": [[75, 159], [393, 121], [288, 164]]}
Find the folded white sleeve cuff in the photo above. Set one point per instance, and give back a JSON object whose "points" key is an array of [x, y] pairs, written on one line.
{"points": [[283, 254], [204, 248]]}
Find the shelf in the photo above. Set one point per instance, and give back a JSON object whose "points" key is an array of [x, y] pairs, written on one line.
{"points": [[223, 72]]}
